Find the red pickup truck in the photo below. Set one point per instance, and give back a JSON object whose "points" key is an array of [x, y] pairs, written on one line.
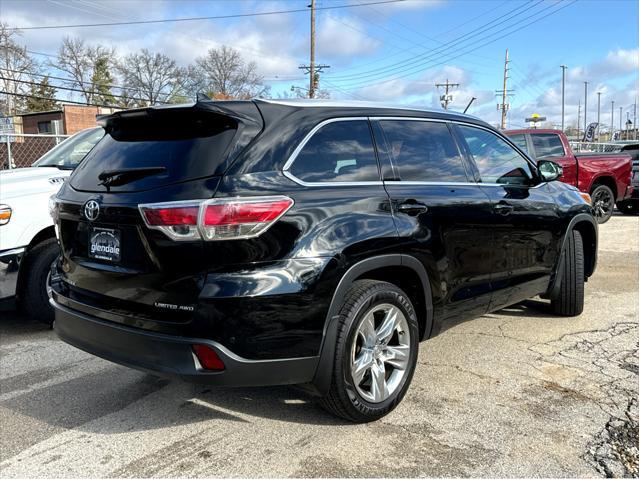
{"points": [[605, 176]]}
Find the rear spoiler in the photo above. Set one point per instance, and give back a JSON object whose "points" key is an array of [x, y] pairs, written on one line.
{"points": [[243, 111]]}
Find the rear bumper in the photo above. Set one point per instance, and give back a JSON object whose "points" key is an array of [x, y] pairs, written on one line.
{"points": [[172, 355], [9, 268]]}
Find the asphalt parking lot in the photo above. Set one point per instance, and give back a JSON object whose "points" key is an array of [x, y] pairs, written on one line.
{"points": [[515, 393]]}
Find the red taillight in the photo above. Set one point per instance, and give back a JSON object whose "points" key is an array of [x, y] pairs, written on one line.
{"points": [[171, 216], [241, 213], [216, 219], [208, 357]]}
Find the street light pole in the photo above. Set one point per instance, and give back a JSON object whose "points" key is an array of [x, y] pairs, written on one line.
{"points": [[635, 119], [585, 106], [598, 111], [563, 94]]}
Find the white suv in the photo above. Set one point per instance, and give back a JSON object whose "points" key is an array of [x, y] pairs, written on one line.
{"points": [[28, 244]]}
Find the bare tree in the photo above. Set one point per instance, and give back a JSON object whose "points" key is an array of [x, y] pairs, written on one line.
{"points": [[85, 66], [16, 67], [154, 78], [223, 73]]}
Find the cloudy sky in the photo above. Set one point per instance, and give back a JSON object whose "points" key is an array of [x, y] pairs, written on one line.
{"points": [[392, 52]]}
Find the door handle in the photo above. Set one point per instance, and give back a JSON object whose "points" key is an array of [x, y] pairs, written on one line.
{"points": [[503, 208], [412, 208]]}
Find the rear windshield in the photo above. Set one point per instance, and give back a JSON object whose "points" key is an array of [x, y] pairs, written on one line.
{"points": [[547, 145], [180, 145]]}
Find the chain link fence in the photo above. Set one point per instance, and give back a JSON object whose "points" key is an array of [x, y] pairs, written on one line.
{"points": [[20, 150], [586, 147]]}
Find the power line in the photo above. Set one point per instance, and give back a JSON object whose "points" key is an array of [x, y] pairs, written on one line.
{"points": [[463, 53], [92, 92], [52, 77], [192, 19], [39, 97], [456, 45], [430, 53]]}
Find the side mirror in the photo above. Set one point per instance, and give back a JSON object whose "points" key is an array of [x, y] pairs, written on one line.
{"points": [[549, 170]]}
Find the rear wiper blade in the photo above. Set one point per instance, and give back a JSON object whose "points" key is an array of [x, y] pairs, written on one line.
{"points": [[123, 176]]}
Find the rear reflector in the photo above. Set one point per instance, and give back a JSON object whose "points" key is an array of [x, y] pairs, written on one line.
{"points": [[208, 357], [216, 219]]}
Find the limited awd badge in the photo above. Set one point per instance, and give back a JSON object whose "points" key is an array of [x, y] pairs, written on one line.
{"points": [[91, 210], [174, 307]]}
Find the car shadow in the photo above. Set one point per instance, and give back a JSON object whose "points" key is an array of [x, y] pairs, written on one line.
{"points": [[534, 308], [531, 308], [13, 323], [104, 398]]}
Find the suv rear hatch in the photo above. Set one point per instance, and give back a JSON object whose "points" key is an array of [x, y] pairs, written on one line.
{"points": [[113, 266]]}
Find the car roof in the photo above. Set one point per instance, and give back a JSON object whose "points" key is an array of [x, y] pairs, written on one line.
{"points": [[358, 104]]}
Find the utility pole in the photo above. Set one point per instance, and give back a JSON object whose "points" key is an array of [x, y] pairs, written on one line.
{"points": [[585, 106], [598, 112], [578, 120], [312, 69], [563, 94], [311, 88], [446, 98], [620, 118], [503, 106], [612, 120]]}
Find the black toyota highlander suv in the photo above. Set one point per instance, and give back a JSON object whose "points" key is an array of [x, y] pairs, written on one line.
{"points": [[317, 243]]}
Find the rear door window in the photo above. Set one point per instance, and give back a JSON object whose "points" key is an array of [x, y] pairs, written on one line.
{"points": [[520, 141], [423, 151], [182, 145], [496, 160], [340, 151], [547, 145]]}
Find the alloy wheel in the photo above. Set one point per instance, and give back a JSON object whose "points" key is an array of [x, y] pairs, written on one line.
{"points": [[380, 352], [602, 203]]}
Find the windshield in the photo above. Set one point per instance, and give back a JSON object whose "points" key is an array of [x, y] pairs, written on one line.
{"points": [[68, 154]]}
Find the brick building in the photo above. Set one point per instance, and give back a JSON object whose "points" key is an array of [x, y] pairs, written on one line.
{"points": [[72, 118]]}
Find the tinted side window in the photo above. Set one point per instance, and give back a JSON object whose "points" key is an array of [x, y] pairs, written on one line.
{"points": [[520, 141], [339, 151], [423, 151], [547, 144], [496, 160]]}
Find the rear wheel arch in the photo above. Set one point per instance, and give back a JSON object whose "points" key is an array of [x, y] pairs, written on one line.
{"points": [[42, 235], [392, 268], [608, 181], [588, 233]]}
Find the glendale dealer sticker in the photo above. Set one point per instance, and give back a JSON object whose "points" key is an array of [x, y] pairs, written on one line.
{"points": [[104, 244]]}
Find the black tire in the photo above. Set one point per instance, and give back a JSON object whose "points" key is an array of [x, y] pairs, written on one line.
{"points": [[570, 300], [35, 300], [628, 207], [343, 399], [603, 203]]}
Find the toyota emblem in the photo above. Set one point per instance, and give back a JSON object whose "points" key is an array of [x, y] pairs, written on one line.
{"points": [[91, 210]]}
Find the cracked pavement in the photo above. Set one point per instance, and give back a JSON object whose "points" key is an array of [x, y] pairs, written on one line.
{"points": [[514, 393]]}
